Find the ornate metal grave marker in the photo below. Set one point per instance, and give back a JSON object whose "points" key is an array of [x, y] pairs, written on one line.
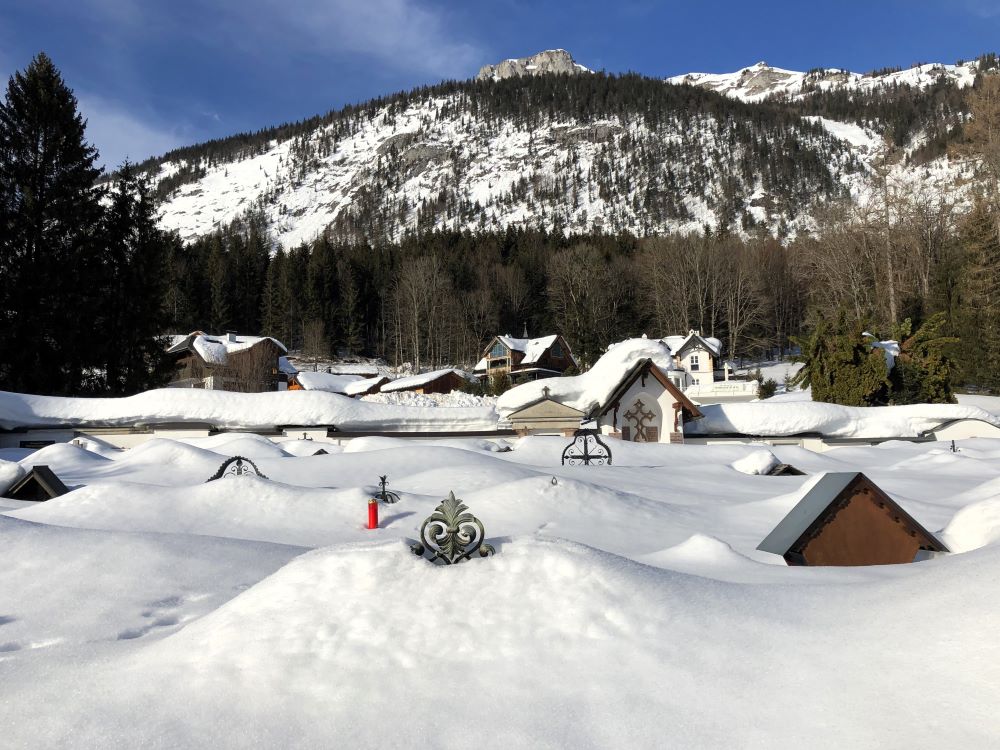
{"points": [[237, 466], [587, 448], [386, 496], [452, 534]]}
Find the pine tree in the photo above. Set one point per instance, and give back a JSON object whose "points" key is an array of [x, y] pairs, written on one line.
{"points": [[49, 223], [922, 371], [840, 366], [979, 322], [132, 316]]}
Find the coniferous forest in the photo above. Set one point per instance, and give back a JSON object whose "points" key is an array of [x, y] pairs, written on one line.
{"points": [[89, 281]]}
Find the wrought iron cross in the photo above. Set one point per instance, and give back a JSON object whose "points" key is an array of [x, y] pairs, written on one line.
{"points": [[386, 496], [587, 448], [638, 414]]}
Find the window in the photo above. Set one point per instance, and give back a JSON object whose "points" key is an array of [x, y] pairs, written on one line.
{"points": [[498, 350], [556, 350], [694, 363]]}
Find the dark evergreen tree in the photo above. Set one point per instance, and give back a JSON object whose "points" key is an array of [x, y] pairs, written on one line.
{"points": [[132, 317], [840, 366], [922, 371], [50, 218]]}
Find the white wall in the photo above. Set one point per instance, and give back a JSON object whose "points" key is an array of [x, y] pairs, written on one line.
{"points": [[655, 398]]}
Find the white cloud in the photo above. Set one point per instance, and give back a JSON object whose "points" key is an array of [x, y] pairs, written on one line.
{"points": [[982, 8], [399, 34], [117, 133]]}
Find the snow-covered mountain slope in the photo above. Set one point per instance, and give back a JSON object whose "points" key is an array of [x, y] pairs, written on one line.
{"points": [[432, 165], [580, 153], [761, 81]]}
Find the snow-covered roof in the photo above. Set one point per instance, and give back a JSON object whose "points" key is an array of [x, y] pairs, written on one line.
{"points": [[365, 385], [324, 381], [416, 381], [533, 348], [215, 350], [781, 418], [285, 366], [226, 409], [816, 495], [354, 368], [591, 389], [678, 343]]}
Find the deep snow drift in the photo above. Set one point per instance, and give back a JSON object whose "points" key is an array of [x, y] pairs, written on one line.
{"points": [[626, 605], [227, 409]]}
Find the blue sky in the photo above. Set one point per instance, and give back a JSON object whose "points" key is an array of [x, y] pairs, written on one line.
{"points": [[154, 74]]}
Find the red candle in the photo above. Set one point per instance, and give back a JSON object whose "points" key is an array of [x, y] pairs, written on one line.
{"points": [[373, 514]]}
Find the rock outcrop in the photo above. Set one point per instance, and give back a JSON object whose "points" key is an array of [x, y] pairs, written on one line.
{"points": [[549, 61]]}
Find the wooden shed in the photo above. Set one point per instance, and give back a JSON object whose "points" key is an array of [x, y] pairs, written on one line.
{"points": [[438, 381], [39, 484], [846, 519]]}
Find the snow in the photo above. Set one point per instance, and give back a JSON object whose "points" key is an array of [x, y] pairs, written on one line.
{"points": [[10, 474], [216, 349], [626, 605], [324, 381], [533, 348], [761, 80], [861, 138], [234, 410], [759, 462], [891, 351], [422, 379], [676, 343], [455, 399], [797, 416], [592, 388]]}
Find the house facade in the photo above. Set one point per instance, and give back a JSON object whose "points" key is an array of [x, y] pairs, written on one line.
{"points": [[698, 356], [438, 381], [525, 359], [230, 362], [646, 405]]}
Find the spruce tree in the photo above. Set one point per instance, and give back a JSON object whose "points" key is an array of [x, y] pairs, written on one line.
{"points": [[49, 224], [135, 276]]}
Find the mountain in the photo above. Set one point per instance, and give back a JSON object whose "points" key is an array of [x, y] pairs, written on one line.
{"points": [[760, 81], [550, 61], [534, 142]]}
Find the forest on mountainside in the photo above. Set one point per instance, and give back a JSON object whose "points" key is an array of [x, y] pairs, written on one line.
{"points": [[434, 297]]}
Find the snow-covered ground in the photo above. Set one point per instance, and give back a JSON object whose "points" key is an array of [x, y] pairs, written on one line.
{"points": [[238, 410], [626, 606]]}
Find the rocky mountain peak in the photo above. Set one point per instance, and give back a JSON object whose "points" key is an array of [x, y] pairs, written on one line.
{"points": [[549, 61]]}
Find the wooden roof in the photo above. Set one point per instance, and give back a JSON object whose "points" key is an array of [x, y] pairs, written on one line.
{"points": [[809, 513], [40, 477]]}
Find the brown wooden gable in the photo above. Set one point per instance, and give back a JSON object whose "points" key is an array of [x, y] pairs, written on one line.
{"points": [[855, 524], [39, 484]]}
